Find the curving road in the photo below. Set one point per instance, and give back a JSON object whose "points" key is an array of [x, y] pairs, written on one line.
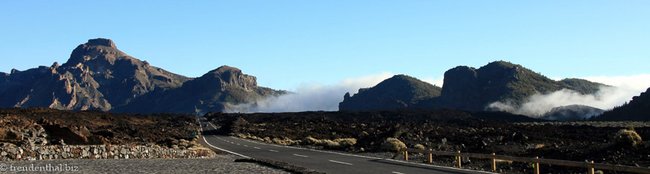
{"points": [[322, 161]]}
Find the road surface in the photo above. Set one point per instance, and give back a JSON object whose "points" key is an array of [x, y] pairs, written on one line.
{"points": [[318, 160]]}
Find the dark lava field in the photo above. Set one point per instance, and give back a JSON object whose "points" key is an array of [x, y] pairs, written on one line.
{"points": [[449, 130]]}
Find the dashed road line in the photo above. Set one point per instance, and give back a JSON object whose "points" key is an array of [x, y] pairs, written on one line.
{"points": [[394, 172], [273, 150], [304, 156], [340, 162], [256, 148]]}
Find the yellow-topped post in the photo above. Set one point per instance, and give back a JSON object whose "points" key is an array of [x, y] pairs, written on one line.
{"points": [[494, 162], [458, 160], [536, 165], [406, 155]]}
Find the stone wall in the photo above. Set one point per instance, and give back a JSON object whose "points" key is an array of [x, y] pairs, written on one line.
{"points": [[10, 152]]}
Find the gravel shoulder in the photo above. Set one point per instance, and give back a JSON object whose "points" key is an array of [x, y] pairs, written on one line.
{"points": [[219, 164]]}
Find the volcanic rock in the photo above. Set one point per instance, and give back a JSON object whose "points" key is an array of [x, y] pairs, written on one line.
{"points": [[215, 91], [98, 76]]}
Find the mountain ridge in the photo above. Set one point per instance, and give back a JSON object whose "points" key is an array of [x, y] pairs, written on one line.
{"points": [[471, 89], [98, 76]]}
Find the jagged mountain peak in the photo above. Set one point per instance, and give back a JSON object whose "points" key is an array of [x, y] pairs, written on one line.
{"points": [[98, 52], [101, 42], [225, 68], [98, 76], [228, 76], [223, 72]]}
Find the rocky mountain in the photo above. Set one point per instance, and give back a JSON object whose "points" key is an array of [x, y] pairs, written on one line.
{"points": [[572, 113], [473, 89], [98, 76], [397, 92], [215, 91], [637, 109], [464, 88]]}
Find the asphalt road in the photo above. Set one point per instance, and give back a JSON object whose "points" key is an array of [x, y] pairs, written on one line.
{"points": [[321, 161]]}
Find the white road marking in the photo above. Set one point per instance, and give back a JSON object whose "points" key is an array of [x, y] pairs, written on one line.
{"points": [[256, 148], [367, 157], [245, 145], [339, 153], [340, 162], [231, 152], [291, 147], [304, 156], [273, 150], [397, 172], [238, 144]]}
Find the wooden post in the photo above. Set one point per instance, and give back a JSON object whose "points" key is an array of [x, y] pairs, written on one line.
{"points": [[458, 160], [406, 155], [430, 156], [591, 169], [536, 165], [494, 162]]}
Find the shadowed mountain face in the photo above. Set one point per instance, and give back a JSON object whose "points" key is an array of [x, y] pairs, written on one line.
{"points": [[98, 76], [464, 88], [472, 89], [637, 109], [215, 91], [397, 92]]}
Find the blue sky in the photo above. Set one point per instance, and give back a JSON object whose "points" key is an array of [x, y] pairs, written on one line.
{"points": [[289, 43]]}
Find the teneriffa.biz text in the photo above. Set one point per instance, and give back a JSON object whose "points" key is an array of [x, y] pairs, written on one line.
{"points": [[38, 168]]}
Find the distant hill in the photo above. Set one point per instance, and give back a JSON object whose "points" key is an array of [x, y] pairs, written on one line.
{"points": [[637, 109], [464, 88], [572, 113], [397, 92], [98, 76], [473, 89]]}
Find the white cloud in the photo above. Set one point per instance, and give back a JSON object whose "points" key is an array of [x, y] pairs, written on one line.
{"points": [[639, 82], [314, 97], [622, 89]]}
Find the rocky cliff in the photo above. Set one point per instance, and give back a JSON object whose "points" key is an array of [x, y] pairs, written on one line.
{"points": [[98, 76], [473, 89], [215, 91], [464, 88]]}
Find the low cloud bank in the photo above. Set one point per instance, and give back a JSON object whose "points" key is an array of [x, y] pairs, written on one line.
{"points": [[317, 97], [312, 97], [622, 89]]}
